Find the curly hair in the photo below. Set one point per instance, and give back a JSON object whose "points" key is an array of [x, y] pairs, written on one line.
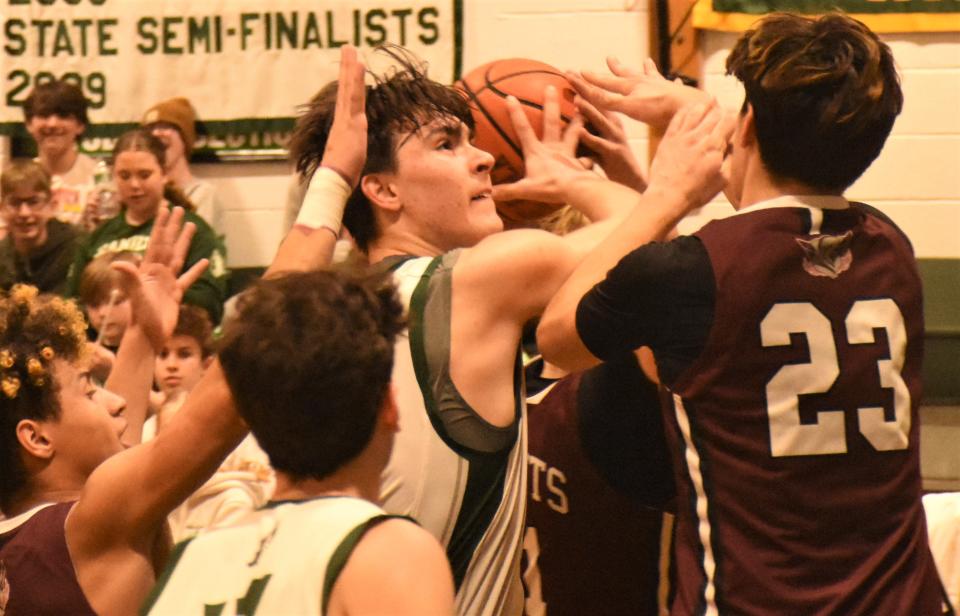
{"points": [[824, 92], [400, 101], [34, 330], [308, 358]]}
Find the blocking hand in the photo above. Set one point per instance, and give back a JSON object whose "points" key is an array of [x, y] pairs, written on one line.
{"points": [[644, 95], [346, 149], [610, 146], [153, 287]]}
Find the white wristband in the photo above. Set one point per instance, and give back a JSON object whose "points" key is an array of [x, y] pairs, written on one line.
{"points": [[324, 202]]}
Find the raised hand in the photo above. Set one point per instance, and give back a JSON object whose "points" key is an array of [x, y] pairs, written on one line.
{"points": [[154, 287], [548, 162], [346, 149], [690, 158], [644, 95], [610, 146]]}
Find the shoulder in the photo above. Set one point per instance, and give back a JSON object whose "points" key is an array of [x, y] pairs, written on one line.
{"points": [[421, 584], [876, 214], [668, 262], [515, 258]]}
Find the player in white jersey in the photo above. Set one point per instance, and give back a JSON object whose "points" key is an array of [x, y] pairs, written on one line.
{"points": [[424, 209], [308, 359]]}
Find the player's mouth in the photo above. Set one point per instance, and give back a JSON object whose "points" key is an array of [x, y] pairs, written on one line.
{"points": [[485, 194]]}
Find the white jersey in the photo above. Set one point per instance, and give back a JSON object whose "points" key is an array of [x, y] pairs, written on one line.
{"points": [[461, 478], [283, 559]]}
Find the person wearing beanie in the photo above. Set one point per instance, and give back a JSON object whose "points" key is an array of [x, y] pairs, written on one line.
{"points": [[173, 122]]}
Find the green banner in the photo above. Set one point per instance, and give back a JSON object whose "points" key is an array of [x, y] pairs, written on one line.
{"points": [[245, 65]]}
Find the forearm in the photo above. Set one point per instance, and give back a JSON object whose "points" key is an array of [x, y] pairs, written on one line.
{"points": [[598, 198], [656, 214], [131, 378]]}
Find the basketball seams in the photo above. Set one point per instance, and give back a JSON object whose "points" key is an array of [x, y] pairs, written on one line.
{"points": [[490, 120]]}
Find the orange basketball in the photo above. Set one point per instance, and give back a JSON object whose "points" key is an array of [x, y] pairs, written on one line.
{"points": [[487, 88]]}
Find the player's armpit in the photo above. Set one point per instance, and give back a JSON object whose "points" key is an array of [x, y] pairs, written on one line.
{"points": [[397, 568]]}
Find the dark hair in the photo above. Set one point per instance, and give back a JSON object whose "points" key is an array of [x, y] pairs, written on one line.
{"points": [[142, 140], [25, 172], [308, 358], [824, 92], [194, 322], [34, 330], [56, 98], [401, 101]]}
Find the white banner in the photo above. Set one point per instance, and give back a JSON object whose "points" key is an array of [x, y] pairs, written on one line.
{"points": [[244, 64]]}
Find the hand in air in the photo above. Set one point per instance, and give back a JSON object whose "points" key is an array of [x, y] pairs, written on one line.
{"points": [[153, 287], [549, 162], [346, 149], [644, 95], [690, 157], [610, 146]]}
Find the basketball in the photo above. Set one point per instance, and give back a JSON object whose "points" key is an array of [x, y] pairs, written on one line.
{"points": [[486, 88]]}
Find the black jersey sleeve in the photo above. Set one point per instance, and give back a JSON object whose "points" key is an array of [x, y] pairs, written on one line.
{"points": [[660, 295]]}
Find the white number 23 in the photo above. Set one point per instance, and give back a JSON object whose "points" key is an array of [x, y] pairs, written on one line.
{"points": [[788, 437]]}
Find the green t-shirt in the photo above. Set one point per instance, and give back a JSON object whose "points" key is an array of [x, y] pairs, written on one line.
{"points": [[116, 235]]}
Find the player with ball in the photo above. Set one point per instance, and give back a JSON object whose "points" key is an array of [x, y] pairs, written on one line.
{"points": [[424, 209]]}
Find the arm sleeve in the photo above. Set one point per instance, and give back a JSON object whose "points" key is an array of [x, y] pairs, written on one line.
{"points": [[660, 295]]}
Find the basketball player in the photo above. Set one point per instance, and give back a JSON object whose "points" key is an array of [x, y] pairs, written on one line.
{"points": [[87, 520], [790, 338], [322, 546], [424, 210], [600, 480]]}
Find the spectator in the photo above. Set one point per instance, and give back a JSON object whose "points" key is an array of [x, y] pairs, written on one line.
{"points": [[143, 187], [103, 299], [56, 116], [38, 249], [173, 122]]}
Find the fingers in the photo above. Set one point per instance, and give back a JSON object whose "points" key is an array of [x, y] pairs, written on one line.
{"points": [[193, 274], [571, 134], [129, 277], [351, 93], [607, 123], [156, 234], [615, 84], [511, 192], [521, 124], [618, 69], [551, 115], [181, 247], [650, 67]]}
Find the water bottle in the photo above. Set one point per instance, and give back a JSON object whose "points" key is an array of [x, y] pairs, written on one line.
{"points": [[108, 205]]}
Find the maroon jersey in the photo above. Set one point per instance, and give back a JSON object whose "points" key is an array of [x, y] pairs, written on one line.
{"points": [[796, 428], [39, 572], [590, 548]]}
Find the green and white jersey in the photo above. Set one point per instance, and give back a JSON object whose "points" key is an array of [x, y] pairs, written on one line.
{"points": [[283, 559], [461, 478]]}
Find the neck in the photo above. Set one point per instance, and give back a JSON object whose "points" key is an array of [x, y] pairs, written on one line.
{"points": [[59, 163], [399, 243], [135, 219], [25, 502], [337, 484], [760, 185], [26, 246], [179, 173]]}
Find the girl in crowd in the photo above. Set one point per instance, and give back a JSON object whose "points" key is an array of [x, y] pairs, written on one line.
{"points": [[143, 187]]}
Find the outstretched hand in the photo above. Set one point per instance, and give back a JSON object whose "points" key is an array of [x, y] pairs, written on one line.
{"points": [[154, 287], [610, 146], [549, 162], [346, 149], [644, 95], [689, 160]]}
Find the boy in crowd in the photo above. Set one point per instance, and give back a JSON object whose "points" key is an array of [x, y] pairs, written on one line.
{"points": [[424, 210], [104, 299], [56, 116], [789, 336], [38, 249], [244, 481]]}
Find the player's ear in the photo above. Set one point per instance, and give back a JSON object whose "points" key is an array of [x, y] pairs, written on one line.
{"points": [[34, 437], [379, 189], [747, 133], [389, 414]]}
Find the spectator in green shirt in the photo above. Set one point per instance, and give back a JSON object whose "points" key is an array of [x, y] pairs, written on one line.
{"points": [[143, 187]]}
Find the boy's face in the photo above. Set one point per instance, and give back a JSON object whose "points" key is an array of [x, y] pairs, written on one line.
{"points": [[55, 134], [180, 365], [91, 420], [110, 318], [26, 212], [443, 184]]}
